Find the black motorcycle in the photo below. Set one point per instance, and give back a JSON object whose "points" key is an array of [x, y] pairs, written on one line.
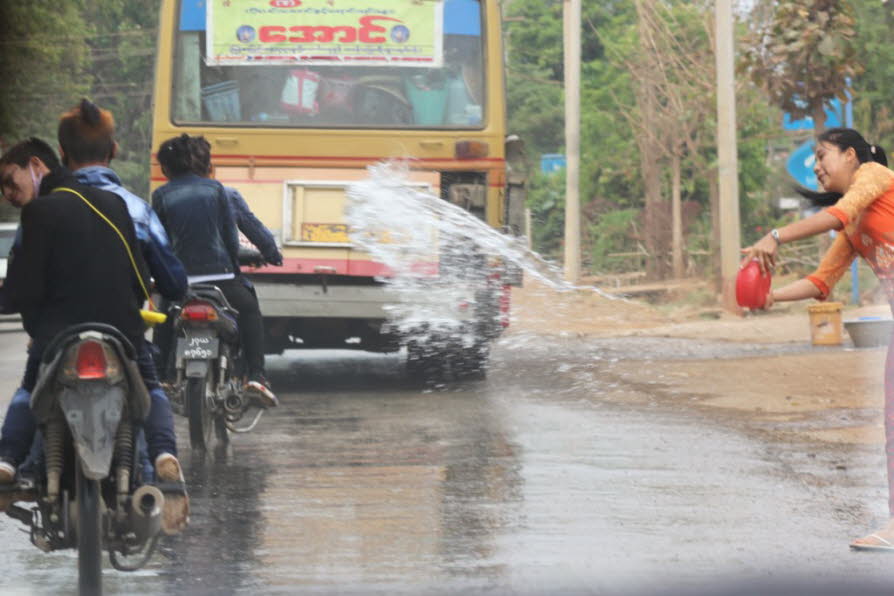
{"points": [[87, 483], [203, 365]]}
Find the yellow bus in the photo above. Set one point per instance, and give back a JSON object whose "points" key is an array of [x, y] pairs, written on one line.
{"points": [[298, 97]]}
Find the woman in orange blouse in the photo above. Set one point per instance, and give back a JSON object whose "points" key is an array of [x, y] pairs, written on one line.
{"points": [[859, 196]]}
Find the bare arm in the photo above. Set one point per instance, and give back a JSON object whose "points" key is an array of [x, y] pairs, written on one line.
{"points": [[809, 226], [764, 250], [798, 290]]}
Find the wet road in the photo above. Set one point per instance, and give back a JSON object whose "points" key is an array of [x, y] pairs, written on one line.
{"points": [[529, 482]]}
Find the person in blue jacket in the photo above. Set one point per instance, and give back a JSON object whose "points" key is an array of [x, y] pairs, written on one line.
{"points": [[253, 229], [198, 216], [250, 226]]}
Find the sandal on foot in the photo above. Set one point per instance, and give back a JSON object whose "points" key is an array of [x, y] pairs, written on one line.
{"points": [[873, 542], [175, 514]]}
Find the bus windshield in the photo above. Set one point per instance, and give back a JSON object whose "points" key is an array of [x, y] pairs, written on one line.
{"points": [[323, 64]]}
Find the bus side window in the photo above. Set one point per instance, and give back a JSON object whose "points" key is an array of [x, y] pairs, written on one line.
{"points": [[187, 77]]}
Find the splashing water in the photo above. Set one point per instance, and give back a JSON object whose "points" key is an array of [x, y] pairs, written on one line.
{"points": [[441, 257]]}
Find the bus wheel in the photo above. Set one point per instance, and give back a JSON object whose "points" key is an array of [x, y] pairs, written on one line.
{"points": [[472, 362], [427, 366]]}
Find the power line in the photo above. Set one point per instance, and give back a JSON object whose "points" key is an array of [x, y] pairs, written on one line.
{"points": [[45, 41], [15, 97]]}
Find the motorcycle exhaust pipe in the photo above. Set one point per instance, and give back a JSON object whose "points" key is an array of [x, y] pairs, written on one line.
{"points": [[147, 503], [234, 404]]}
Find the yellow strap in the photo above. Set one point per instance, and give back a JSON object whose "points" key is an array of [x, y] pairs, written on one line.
{"points": [[120, 235]]}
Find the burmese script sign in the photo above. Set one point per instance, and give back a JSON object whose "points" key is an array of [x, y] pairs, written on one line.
{"points": [[330, 32]]}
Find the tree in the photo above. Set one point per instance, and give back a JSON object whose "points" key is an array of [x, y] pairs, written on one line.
{"points": [[615, 155], [672, 72], [55, 53], [40, 70], [122, 57], [43, 66], [609, 175], [802, 53]]}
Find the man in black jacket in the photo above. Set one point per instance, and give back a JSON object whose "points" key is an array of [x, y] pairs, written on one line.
{"points": [[74, 268]]}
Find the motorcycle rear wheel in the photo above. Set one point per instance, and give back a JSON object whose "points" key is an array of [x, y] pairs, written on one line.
{"points": [[89, 535], [201, 419]]}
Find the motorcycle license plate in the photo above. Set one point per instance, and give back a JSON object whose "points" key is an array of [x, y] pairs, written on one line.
{"points": [[197, 346]]}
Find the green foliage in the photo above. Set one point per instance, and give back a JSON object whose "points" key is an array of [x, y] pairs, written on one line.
{"points": [[874, 88], [55, 53], [611, 182], [536, 115], [759, 183], [546, 200], [123, 51], [535, 99], [44, 64], [610, 234]]}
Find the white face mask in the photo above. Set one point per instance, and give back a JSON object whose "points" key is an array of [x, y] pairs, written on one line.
{"points": [[35, 179]]}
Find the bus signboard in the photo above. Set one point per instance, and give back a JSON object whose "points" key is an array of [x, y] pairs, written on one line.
{"points": [[315, 32]]}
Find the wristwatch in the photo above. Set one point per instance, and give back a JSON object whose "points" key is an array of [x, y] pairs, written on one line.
{"points": [[775, 234]]}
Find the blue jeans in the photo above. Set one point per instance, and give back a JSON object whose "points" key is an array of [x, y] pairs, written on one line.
{"points": [[20, 425]]}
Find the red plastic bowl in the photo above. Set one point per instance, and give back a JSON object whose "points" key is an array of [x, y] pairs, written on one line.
{"points": [[752, 287]]}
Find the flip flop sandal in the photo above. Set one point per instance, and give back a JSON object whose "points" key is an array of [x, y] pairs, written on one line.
{"points": [[175, 513], [883, 544]]}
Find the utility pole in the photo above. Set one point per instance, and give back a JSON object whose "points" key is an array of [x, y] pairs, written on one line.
{"points": [[571, 12], [727, 158]]}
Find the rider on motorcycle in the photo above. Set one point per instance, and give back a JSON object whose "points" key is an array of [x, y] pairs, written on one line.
{"points": [[199, 219], [92, 168], [75, 283]]}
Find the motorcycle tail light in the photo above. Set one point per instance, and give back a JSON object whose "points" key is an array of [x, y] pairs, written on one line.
{"points": [[198, 311], [91, 361]]}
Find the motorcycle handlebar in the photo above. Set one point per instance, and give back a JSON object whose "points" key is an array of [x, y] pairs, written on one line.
{"points": [[250, 257]]}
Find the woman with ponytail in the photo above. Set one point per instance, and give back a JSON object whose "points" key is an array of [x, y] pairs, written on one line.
{"points": [[858, 193]]}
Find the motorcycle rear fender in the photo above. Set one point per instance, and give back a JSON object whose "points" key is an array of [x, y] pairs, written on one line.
{"points": [[49, 383], [93, 412], [43, 397], [196, 368]]}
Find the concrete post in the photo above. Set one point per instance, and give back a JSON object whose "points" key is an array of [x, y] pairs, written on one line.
{"points": [[572, 39], [727, 158]]}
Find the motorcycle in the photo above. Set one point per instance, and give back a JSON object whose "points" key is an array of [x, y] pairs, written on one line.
{"points": [[87, 482], [206, 378]]}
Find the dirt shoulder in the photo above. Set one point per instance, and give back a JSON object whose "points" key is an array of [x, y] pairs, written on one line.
{"points": [[829, 394]]}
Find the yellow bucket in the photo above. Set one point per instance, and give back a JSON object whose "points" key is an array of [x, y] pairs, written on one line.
{"points": [[825, 323]]}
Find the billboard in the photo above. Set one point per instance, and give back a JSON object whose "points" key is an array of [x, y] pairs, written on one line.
{"points": [[320, 32]]}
